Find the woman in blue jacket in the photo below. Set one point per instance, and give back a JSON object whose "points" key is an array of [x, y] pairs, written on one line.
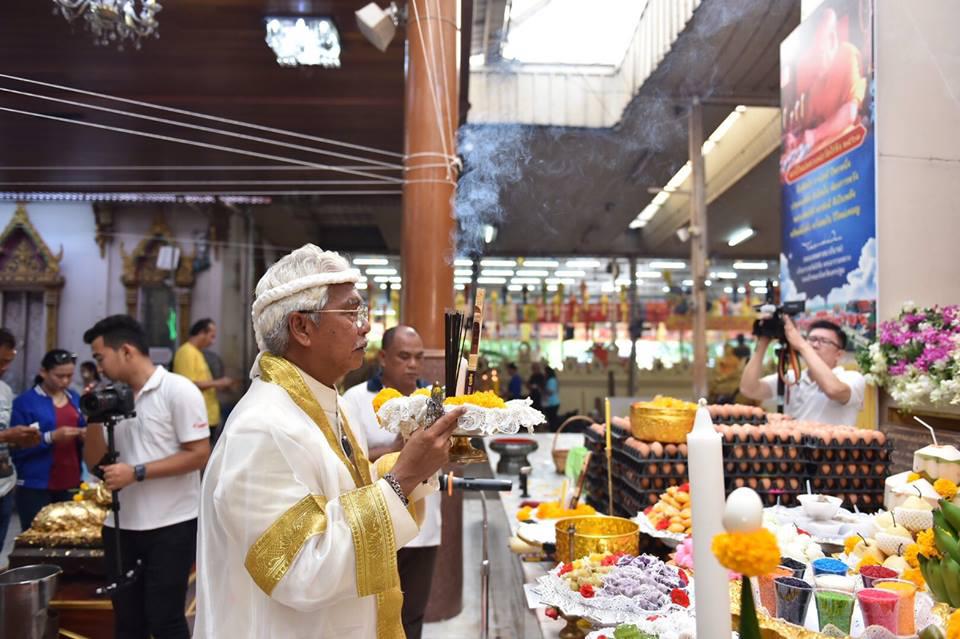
{"points": [[48, 471]]}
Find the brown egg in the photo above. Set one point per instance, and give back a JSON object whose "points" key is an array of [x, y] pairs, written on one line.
{"points": [[670, 450], [765, 483], [643, 449], [683, 449], [681, 468], [656, 449]]}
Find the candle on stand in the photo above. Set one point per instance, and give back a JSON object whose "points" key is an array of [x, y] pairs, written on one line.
{"points": [[711, 582], [606, 406]]}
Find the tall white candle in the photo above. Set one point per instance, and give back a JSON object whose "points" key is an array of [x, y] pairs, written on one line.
{"points": [[711, 584]]}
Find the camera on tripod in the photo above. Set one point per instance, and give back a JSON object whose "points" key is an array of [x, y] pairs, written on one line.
{"points": [[108, 403], [770, 320], [108, 406]]}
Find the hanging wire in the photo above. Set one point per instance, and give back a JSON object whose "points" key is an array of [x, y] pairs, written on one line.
{"points": [[206, 145], [205, 116], [198, 127]]}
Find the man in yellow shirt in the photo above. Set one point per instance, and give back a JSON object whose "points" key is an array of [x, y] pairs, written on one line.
{"points": [[190, 362]]}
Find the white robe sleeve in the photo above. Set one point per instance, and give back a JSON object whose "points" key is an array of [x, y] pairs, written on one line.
{"points": [[260, 486]]}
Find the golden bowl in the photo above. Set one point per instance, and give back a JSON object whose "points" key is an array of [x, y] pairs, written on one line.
{"points": [[596, 534], [667, 425]]}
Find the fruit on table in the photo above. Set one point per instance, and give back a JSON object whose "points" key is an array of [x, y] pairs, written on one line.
{"points": [[672, 513], [938, 462], [931, 632], [893, 540], [897, 563]]}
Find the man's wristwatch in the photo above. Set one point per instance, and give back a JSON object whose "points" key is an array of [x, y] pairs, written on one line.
{"points": [[140, 472]]}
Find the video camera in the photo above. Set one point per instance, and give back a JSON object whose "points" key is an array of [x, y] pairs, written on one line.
{"points": [[112, 402], [770, 320]]}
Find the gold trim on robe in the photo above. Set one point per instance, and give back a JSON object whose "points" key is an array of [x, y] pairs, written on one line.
{"points": [[270, 556], [279, 371], [365, 508]]}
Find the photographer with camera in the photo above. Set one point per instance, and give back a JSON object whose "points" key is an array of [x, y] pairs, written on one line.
{"points": [[160, 454], [825, 392]]}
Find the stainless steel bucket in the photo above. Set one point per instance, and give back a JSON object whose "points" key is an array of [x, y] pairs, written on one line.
{"points": [[25, 594]]}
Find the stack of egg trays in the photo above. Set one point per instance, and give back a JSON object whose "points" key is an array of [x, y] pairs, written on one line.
{"points": [[652, 474]]}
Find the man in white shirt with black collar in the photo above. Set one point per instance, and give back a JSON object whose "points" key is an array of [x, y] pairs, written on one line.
{"points": [[161, 452], [827, 393], [401, 355]]}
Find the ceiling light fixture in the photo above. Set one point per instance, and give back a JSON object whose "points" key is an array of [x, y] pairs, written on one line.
{"points": [[668, 265], [370, 261], [583, 264], [496, 262], [489, 233], [114, 21], [541, 263], [377, 25], [308, 41], [740, 235], [750, 266]]}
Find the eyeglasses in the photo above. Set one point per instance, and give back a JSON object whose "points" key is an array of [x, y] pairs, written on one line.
{"points": [[63, 357], [821, 341], [362, 313]]}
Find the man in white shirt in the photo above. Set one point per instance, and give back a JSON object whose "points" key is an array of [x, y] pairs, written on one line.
{"points": [[401, 355], [827, 392], [161, 452]]}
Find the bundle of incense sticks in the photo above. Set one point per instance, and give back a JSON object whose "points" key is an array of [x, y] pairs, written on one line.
{"points": [[453, 326], [471, 383]]}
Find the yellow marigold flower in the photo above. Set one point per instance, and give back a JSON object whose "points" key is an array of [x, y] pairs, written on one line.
{"points": [[912, 477], [751, 553], [914, 575], [524, 513], [945, 488], [484, 399], [422, 391], [868, 560], [910, 554], [84, 485], [78, 497], [850, 543], [927, 545], [953, 625], [384, 396]]}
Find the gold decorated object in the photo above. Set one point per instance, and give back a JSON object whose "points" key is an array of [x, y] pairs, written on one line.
{"points": [[666, 425], [594, 534], [70, 523], [28, 264], [463, 452], [773, 628]]}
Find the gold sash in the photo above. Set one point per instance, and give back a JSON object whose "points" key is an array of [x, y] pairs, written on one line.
{"points": [[365, 508]]}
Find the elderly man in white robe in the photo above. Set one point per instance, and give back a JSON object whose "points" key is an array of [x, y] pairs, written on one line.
{"points": [[298, 531]]}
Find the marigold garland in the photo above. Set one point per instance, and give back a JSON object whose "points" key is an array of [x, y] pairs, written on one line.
{"points": [[910, 555], [927, 545], [945, 488], [912, 477], [751, 553], [485, 399], [422, 391]]}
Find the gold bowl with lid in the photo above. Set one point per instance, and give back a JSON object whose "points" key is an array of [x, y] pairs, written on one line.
{"points": [[580, 536]]}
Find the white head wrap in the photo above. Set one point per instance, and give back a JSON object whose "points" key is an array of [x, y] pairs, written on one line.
{"points": [[296, 280]]}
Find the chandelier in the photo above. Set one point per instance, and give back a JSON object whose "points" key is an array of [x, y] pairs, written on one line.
{"points": [[113, 21]]}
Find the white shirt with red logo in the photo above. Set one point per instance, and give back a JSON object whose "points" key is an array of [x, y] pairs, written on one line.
{"points": [[170, 412]]}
